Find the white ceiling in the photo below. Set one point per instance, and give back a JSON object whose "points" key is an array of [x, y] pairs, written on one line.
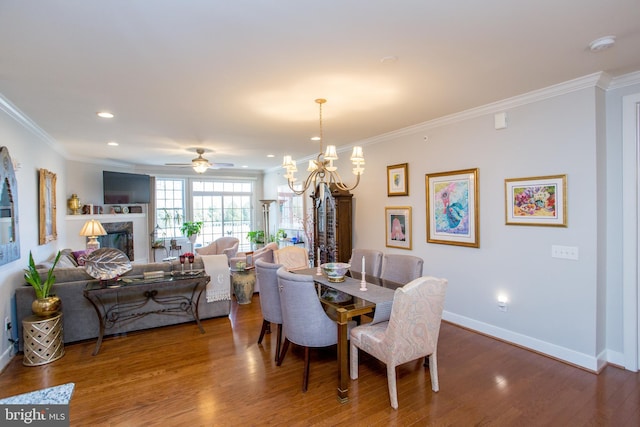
{"points": [[239, 78]]}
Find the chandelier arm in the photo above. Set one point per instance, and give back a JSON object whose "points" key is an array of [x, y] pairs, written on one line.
{"points": [[340, 184]]}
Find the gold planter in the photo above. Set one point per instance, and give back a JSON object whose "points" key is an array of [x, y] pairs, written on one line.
{"points": [[45, 307]]}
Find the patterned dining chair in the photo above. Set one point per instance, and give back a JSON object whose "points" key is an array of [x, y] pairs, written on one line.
{"points": [[292, 257], [410, 333], [305, 322], [372, 264], [401, 268], [266, 276]]}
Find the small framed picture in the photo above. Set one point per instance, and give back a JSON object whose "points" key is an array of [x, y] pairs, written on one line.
{"points": [[398, 180], [249, 260], [116, 209], [398, 227], [539, 200]]}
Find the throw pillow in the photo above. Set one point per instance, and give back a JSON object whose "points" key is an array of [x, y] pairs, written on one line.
{"points": [[80, 256]]}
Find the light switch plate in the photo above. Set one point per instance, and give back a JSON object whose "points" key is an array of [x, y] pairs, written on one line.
{"points": [[564, 252]]}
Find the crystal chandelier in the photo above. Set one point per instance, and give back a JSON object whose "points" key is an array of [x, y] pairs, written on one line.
{"points": [[322, 169]]}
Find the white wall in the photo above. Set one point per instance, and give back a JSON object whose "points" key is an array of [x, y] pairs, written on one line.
{"points": [[555, 306], [33, 151]]}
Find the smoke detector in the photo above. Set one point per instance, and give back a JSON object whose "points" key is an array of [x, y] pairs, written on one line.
{"points": [[602, 43]]}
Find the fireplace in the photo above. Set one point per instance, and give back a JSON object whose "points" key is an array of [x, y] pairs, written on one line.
{"points": [[119, 236]]}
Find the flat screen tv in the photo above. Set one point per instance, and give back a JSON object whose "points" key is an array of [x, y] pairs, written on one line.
{"points": [[122, 188]]}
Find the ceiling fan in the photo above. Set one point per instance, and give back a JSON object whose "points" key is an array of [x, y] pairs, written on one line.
{"points": [[200, 164]]}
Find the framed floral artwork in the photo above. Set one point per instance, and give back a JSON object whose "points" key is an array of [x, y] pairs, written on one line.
{"points": [[453, 208], [398, 227], [398, 180], [539, 200]]}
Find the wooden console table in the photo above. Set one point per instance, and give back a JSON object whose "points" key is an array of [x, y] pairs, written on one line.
{"points": [[141, 293]]}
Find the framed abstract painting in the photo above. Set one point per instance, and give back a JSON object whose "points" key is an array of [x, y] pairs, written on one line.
{"points": [[453, 208], [539, 200], [398, 227]]}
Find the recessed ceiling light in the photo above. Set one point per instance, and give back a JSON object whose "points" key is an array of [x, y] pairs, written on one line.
{"points": [[245, 166], [602, 43], [270, 155], [315, 138], [389, 59], [113, 143], [105, 114]]}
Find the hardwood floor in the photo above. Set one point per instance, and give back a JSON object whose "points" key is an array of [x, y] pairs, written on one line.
{"points": [[175, 376]]}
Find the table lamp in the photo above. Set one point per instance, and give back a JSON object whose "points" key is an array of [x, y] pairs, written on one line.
{"points": [[92, 229]]}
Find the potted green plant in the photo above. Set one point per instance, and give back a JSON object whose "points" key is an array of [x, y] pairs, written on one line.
{"points": [[256, 238], [45, 304], [191, 228]]}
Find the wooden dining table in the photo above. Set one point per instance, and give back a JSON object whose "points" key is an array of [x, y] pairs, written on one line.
{"points": [[344, 302]]}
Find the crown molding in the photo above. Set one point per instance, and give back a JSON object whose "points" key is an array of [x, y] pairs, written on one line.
{"points": [[625, 80], [599, 79], [16, 114]]}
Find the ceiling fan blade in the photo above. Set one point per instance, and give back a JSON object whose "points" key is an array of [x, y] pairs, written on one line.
{"points": [[220, 165], [178, 164]]}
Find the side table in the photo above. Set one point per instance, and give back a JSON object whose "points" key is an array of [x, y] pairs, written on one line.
{"points": [[43, 341], [243, 282]]}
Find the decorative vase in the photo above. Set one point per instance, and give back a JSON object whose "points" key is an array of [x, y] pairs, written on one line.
{"points": [[243, 282], [45, 307]]}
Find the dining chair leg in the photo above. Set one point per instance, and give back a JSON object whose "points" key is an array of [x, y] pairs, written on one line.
{"points": [[266, 326], [393, 390], [353, 371], [285, 347], [279, 338], [305, 379], [433, 370]]}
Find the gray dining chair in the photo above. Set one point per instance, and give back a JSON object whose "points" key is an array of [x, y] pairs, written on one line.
{"points": [[401, 268], [305, 322], [267, 278], [410, 333], [372, 261]]}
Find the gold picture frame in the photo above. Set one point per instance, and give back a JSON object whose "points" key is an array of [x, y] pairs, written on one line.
{"points": [[398, 226], [540, 200], [48, 228], [398, 180], [453, 214]]}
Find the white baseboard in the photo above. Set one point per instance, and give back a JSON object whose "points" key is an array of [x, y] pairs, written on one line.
{"points": [[5, 358], [590, 363]]}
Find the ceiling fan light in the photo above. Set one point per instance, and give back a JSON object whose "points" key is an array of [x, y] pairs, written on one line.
{"points": [[200, 165]]}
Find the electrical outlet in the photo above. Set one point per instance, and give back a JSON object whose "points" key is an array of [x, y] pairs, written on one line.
{"points": [[7, 323]]}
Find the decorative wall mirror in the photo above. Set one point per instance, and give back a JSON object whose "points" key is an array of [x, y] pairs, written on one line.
{"points": [[9, 240], [48, 230]]}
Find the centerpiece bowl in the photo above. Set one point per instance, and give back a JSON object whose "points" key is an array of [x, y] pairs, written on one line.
{"points": [[335, 271]]}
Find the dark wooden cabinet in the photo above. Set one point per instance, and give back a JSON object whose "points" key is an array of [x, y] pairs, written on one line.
{"points": [[332, 218]]}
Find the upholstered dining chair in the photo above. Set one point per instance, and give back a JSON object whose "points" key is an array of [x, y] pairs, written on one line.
{"points": [[401, 268], [292, 257], [372, 261], [410, 333], [305, 322], [266, 276]]}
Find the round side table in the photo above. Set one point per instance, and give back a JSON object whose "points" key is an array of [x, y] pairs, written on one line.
{"points": [[43, 341], [243, 282]]}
